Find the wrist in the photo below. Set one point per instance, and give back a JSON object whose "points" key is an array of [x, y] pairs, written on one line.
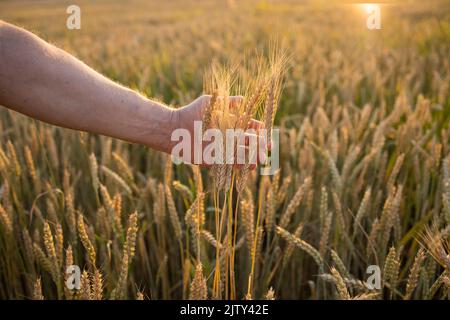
{"points": [[155, 125], [174, 124]]}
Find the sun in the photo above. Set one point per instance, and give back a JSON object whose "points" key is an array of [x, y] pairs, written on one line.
{"points": [[369, 7]]}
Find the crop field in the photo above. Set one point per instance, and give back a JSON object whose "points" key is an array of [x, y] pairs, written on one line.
{"points": [[359, 208]]}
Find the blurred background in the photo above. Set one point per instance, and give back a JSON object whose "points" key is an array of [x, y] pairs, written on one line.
{"points": [[365, 141], [162, 48]]}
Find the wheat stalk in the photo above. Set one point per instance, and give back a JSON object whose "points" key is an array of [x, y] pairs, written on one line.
{"points": [[198, 289], [413, 278], [340, 285], [87, 244], [37, 290], [302, 245], [294, 203]]}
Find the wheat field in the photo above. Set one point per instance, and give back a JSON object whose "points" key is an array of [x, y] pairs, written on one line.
{"points": [[364, 119]]}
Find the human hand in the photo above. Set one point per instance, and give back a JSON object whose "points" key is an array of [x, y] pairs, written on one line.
{"points": [[187, 116]]}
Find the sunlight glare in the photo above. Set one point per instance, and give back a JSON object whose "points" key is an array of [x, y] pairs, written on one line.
{"points": [[369, 7]]}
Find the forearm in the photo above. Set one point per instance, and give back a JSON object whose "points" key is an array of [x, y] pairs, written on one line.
{"points": [[44, 82]]}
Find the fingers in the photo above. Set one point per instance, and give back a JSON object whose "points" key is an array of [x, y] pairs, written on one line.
{"points": [[258, 125], [255, 124], [251, 149], [235, 101], [254, 146]]}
